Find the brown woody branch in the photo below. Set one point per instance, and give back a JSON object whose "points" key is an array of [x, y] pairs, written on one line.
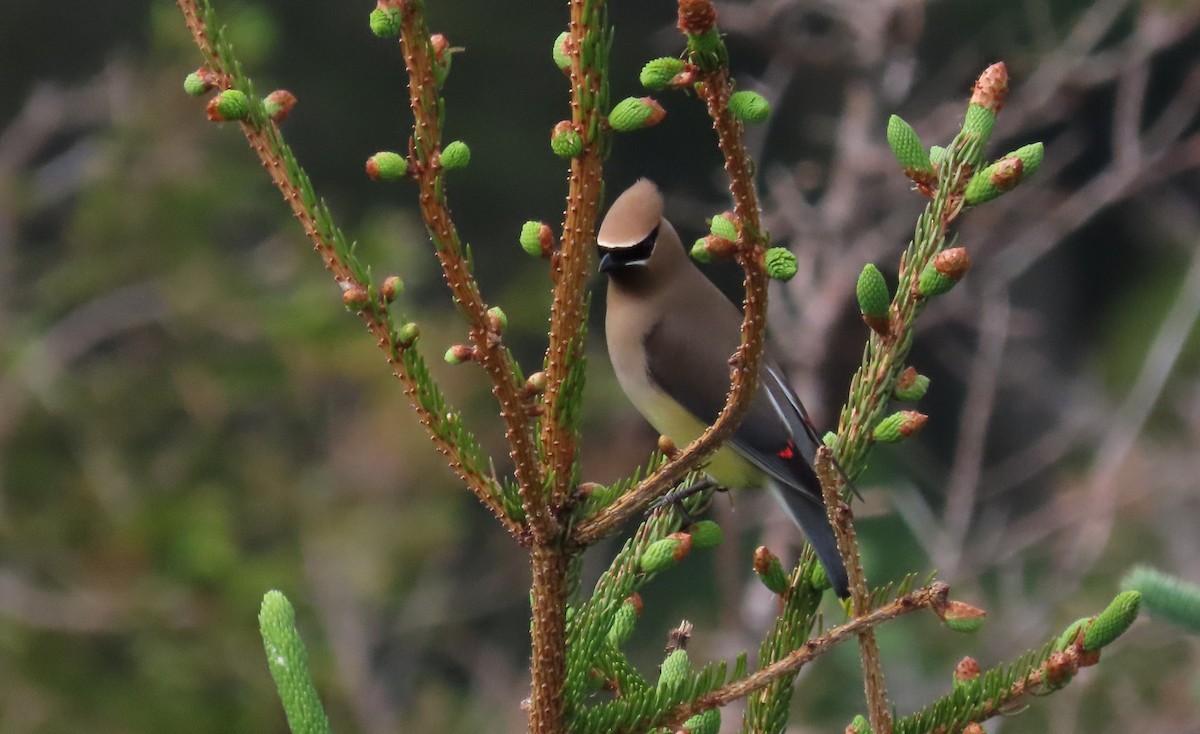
{"points": [[266, 142]]}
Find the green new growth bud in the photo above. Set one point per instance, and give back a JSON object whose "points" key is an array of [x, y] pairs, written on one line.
{"points": [[829, 439], [936, 154], [1113, 621], [624, 621], [769, 570], [386, 20], [1166, 596], [962, 617], [664, 553], [392, 287], [724, 226], [387, 166], [700, 251], [707, 51], [288, 661], [537, 239], [562, 58], [1030, 157], [355, 298], [706, 534], [996, 179], [872, 291], [966, 671], [279, 104], [455, 155], [859, 725], [407, 335], [635, 113], [228, 106], [899, 425], [946, 269], [819, 580], [197, 83], [675, 669], [497, 319], [1071, 634], [910, 385], [708, 722], [749, 106], [659, 73], [565, 140], [907, 147], [459, 353], [781, 263]]}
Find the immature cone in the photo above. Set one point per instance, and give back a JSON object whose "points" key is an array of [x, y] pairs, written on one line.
{"points": [[966, 671], [962, 617], [624, 621], [947, 268], [708, 722], [387, 166], [873, 298], [769, 570], [635, 113], [562, 59], [660, 73], [781, 263], [355, 298], [392, 287], [859, 725], [991, 88], [536, 384], [675, 669], [386, 20], [407, 335], [1113, 621], [199, 82], [909, 150], [1004, 174], [459, 353], [899, 425], [537, 238], [565, 140], [697, 16], [279, 104], [228, 106], [662, 554], [749, 106], [724, 226], [710, 248], [455, 155], [706, 534], [911, 385]]}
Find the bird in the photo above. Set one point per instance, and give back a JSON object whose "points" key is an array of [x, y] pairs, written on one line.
{"points": [[670, 334]]}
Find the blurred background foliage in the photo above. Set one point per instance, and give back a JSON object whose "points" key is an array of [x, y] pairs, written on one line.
{"points": [[188, 418]]}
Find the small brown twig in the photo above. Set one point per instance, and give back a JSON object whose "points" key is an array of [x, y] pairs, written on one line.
{"points": [[932, 596]]}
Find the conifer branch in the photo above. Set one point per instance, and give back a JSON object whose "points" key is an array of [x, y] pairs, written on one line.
{"points": [[587, 47], [715, 87], [933, 596], [444, 425], [427, 107]]}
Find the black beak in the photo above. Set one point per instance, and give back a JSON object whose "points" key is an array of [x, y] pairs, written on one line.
{"points": [[608, 262]]}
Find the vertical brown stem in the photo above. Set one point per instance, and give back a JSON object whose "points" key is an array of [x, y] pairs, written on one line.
{"points": [[549, 640], [879, 709]]}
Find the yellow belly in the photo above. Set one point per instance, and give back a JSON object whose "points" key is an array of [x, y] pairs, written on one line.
{"points": [[669, 418]]}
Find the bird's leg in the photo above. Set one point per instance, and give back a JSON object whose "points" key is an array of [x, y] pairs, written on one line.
{"points": [[676, 497]]}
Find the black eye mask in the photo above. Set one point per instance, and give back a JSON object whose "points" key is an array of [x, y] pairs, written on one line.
{"points": [[634, 253]]}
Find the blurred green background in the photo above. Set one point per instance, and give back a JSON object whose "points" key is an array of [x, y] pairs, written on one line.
{"points": [[188, 418]]}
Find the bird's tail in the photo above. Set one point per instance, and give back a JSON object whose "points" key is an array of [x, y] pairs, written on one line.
{"points": [[811, 518]]}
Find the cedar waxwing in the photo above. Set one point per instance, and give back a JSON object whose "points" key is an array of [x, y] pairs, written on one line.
{"points": [[670, 335]]}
